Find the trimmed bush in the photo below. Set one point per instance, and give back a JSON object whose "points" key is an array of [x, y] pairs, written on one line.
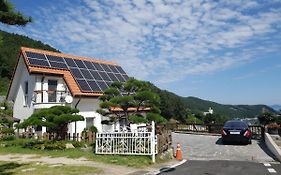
{"points": [[8, 138], [93, 129], [137, 119]]}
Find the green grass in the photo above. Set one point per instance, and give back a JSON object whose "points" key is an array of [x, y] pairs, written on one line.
{"points": [[131, 161], [11, 168]]}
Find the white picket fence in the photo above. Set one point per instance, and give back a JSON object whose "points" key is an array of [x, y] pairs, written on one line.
{"points": [[127, 143]]}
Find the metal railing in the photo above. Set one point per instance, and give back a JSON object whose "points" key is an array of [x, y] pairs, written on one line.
{"points": [[256, 130], [48, 96], [138, 143]]}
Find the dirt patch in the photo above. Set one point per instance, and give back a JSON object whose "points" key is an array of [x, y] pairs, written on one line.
{"points": [[33, 158]]}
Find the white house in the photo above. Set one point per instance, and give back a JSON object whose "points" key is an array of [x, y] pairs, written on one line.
{"points": [[210, 111], [43, 79]]}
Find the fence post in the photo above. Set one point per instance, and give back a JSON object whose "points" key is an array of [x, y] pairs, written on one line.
{"points": [[153, 141], [97, 143]]}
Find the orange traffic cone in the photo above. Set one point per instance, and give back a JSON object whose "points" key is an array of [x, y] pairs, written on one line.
{"points": [[178, 152]]}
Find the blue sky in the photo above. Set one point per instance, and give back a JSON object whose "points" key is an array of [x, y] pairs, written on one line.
{"points": [[224, 51]]}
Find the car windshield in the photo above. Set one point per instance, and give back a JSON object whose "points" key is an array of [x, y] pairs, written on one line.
{"points": [[236, 124]]}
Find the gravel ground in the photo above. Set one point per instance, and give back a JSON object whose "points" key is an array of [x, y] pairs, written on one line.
{"points": [[199, 147]]}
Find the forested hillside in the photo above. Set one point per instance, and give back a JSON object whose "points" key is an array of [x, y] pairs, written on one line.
{"points": [[174, 106], [9, 48], [198, 105]]}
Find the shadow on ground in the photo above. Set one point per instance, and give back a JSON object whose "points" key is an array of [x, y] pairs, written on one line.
{"points": [[219, 142], [266, 150], [4, 168], [167, 169]]}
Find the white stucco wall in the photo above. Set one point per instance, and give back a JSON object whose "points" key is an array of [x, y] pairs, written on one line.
{"points": [[87, 108], [21, 111]]}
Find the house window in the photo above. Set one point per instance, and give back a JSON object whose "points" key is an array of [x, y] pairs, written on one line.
{"points": [[52, 90], [89, 122], [25, 93]]}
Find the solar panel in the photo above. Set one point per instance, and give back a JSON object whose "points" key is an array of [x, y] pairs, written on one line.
{"points": [[113, 68], [58, 65], [94, 86], [80, 63], [84, 85], [55, 58], [120, 77], [90, 76], [96, 75], [125, 77], [76, 73], [120, 70], [104, 76], [35, 55], [105, 68], [89, 65], [98, 66], [102, 85], [108, 83], [70, 62], [86, 74], [36, 62], [112, 77]]}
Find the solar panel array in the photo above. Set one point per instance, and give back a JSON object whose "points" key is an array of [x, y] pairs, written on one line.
{"points": [[90, 76]]}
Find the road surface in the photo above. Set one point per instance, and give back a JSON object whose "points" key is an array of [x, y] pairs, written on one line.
{"points": [[206, 155]]}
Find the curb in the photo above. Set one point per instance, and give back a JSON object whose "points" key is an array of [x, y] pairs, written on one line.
{"points": [[166, 169], [272, 146]]}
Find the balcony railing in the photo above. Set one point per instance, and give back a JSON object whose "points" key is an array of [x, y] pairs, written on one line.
{"points": [[47, 96]]}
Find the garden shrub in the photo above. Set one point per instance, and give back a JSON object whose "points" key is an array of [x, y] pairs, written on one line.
{"points": [[54, 146], [93, 129], [47, 145], [7, 131], [8, 138], [137, 119]]}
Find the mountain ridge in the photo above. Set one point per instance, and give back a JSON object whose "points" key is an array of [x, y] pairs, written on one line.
{"points": [[233, 111]]}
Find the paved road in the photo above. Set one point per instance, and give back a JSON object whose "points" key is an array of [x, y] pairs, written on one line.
{"points": [[206, 155], [224, 167], [198, 147]]}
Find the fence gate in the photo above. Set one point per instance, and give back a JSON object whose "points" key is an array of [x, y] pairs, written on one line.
{"points": [[127, 143]]}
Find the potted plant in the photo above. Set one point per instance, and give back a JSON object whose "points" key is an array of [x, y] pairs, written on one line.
{"points": [[273, 128]]}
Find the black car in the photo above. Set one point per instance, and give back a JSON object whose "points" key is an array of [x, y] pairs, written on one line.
{"points": [[236, 131]]}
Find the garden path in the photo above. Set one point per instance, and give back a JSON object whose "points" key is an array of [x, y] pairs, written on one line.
{"points": [[57, 161]]}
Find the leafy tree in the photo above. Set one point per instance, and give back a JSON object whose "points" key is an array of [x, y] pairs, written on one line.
{"points": [[156, 117], [6, 115], [266, 118], [215, 119], [9, 50], [93, 129], [278, 120], [171, 105], [209, 118], [55, 119], [133, 93], [10, 17], [193, 119]]}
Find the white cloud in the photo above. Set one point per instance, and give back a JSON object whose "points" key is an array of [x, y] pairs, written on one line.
{"points": [[160, 41]]}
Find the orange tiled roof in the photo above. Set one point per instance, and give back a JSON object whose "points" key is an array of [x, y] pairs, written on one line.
{"points": [[116, 109], [70, 81], [24, 49]]}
